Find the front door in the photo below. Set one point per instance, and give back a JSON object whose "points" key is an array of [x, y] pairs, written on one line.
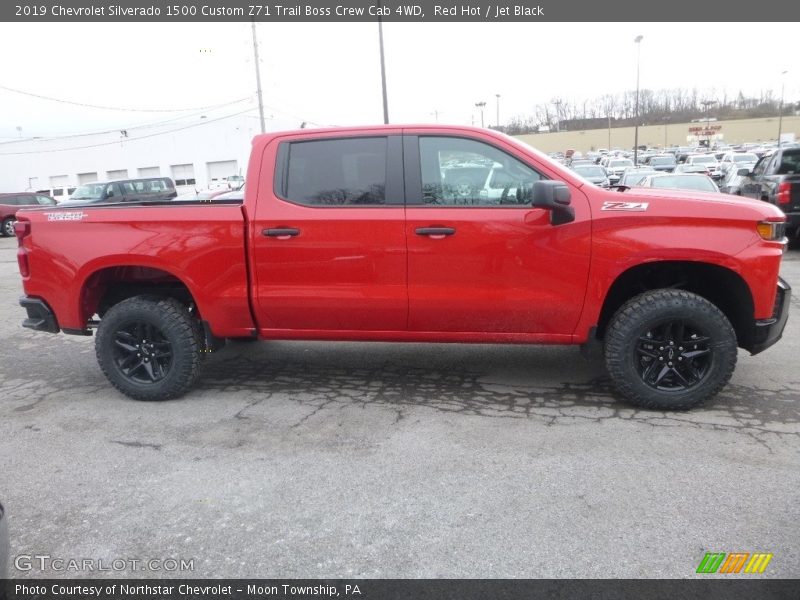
{"points": [[481, 259]]}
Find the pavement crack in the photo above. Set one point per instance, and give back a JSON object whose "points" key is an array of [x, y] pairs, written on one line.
{"points": [[137, 444]]}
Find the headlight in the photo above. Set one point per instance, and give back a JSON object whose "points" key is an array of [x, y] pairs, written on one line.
{"points": [[771, 230]]}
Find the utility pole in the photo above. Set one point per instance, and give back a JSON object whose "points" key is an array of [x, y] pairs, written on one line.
{"points": [[638, 42], [383, 68], [497, 122], [258, 79], [558, 102]]}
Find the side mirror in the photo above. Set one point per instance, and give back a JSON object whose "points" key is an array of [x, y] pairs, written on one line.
{"points": [[555, 197], [743, 172]]}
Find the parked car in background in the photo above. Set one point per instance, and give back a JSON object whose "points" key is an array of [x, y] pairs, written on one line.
{"points": [[202, 194], [707, 160], [232, 195], [776, 179], [661, 162], [684, 168], [736, 161], [235, 182], [59, 194], [11, 203], [731, 182], [593, 174], [680, 181], [615, 167], [576, 162], [124, 190], [633, 176]]}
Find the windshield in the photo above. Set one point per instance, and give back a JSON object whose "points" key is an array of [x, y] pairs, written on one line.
{"points": [[700, 183], [89, 191], [745, 158], [703, 160], [590, 171], [620, 163]]}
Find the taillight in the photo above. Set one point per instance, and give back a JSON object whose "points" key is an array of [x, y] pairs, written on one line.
{"points": [[784, 193], [22, 229]]}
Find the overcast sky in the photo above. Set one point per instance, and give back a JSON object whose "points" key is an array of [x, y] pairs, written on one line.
{"points": [[329, 73]]}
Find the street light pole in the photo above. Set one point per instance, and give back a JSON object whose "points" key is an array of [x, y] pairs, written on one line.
{"points": [[638, 42], [481, 106], [497, 122], [780, 107]]}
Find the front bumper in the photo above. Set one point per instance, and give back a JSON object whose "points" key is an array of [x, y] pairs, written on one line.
{"points": [[768, 331], [40, 316]]}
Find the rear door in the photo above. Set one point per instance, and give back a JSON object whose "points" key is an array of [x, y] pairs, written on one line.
{"points": [[480, 258], [329, 244]]}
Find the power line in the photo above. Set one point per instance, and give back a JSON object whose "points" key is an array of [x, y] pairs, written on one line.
{"points": [[86, 105], [47, 137], [130, 139]]}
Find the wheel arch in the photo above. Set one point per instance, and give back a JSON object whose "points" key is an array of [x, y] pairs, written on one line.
{"points": [[110, 284], [720, 285]]}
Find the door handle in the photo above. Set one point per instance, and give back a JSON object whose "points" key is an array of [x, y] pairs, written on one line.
{"points": [[281, 232], [435, 231]]}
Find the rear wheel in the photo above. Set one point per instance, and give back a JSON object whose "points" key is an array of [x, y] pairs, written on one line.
{"points": [[669, 349], [8, 227], [149, 348]]}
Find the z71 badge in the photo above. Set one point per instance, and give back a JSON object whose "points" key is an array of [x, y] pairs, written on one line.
{"points": [[634, 206]]}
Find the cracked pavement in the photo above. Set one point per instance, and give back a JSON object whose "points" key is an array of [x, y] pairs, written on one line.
{"points": [[330, 460]]}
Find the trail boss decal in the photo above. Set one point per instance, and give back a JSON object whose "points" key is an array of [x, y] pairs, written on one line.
{"points": [[631, 206], [65, 216]]}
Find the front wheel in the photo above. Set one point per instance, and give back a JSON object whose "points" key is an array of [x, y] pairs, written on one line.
{"points": [[669, 350], [149, 348], [8, 227]]}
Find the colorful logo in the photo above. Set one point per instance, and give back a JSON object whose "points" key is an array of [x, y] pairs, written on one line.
{"points": [[735, 562]]}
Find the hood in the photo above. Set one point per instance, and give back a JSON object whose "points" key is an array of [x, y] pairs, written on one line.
{"points": [[692, 203]]}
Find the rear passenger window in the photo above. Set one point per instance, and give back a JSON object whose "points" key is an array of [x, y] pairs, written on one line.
{"points": [[337, 172]]}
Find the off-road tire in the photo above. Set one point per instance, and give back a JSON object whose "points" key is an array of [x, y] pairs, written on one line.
{"points": [[176, 332], [629, 343]]}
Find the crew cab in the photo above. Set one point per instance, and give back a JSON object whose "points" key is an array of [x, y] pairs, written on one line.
{"points": [[776, 179], [366, 234]]}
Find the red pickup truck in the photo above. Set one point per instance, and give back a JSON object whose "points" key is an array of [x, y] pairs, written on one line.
{"points": [[416, 234]]}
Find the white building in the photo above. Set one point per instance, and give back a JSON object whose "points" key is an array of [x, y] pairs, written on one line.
{"points": [[193, 151]]}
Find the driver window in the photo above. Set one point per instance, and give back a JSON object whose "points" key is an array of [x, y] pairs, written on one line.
{"points": [[462, 172]]}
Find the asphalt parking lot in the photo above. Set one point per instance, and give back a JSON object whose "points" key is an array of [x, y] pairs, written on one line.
{"points": [[379, 460]]}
